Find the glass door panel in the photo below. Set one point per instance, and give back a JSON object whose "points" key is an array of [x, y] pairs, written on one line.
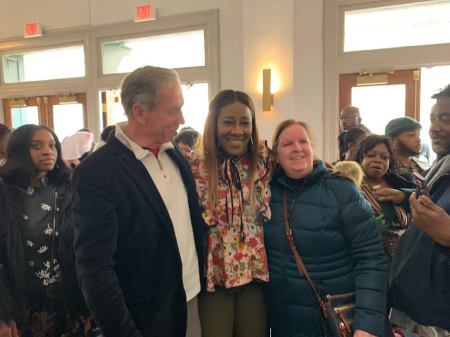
{"points": [[388, 96], [195, 108], [376, 113], [67, 119], [24, 115], [196, 102], [64, 114]]}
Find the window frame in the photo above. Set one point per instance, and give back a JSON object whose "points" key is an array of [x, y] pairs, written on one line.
{"points": [[208, 21], [337, 62], [373, 5], [94, 81]]}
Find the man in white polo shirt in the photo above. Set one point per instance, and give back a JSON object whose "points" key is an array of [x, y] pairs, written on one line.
{"points": [[138, 226]]}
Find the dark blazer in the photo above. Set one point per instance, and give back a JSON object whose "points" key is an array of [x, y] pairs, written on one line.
{"points": [[126, 251]]}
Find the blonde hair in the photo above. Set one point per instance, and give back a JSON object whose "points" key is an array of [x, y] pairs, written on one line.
{"points": [[350, 170], [209, 142]]}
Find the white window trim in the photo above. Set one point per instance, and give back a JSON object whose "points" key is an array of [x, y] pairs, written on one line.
{"points": [[382, 60], [92, 37]]}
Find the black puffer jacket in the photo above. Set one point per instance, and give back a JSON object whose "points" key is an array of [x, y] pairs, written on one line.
{"points": [[335, 233]]}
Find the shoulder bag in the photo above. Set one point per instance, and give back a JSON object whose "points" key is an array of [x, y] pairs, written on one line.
{"points": [[335, 319]]}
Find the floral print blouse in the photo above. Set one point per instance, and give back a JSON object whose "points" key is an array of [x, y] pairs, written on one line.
{"points": [[235, 244]]}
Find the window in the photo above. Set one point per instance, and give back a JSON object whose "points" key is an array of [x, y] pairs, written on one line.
{"points": [[415, 24], [376, 112], [165, 50], [63, 113], [195, 108], [95, 59], [46, 64], [196, 102]]}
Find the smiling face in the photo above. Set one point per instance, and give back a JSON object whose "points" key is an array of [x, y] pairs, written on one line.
{"points": [[160, 124], [43, 152], [294, 151], [234, 128], [440, 126], [375, 162]]}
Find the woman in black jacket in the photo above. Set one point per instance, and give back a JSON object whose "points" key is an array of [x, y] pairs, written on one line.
{"points": [[385, 189], [38, 287]]}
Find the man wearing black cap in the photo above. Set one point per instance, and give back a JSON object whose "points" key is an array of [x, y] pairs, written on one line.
{"points": [[404, 133]]}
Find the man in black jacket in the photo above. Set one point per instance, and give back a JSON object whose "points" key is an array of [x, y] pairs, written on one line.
{"points": [[421, 278], [138, 225]]}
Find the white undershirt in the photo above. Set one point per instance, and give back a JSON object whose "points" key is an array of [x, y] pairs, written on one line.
{"points": [[167, 178]]}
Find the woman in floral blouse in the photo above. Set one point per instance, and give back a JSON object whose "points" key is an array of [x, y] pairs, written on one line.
{"points": [[232, 171], [39, 292]]}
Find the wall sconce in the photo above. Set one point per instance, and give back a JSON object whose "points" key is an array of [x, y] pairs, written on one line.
{"points": [[267, 94]]}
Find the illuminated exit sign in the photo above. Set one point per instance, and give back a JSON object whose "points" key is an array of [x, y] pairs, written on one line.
{"points": [[145, 13], [32, 29]]}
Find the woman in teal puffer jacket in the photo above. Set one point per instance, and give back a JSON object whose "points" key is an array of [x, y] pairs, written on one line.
{"points": [[335, 234]]}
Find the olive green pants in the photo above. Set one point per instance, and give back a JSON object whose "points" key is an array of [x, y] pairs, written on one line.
{"points": [[235, 312]]}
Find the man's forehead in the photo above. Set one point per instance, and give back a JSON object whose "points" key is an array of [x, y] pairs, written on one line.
{"points": [[410, 133], [442, 106], [349, 113]]}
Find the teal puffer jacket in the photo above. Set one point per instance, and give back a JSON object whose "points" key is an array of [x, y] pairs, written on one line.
{"points": [[335, 233]]}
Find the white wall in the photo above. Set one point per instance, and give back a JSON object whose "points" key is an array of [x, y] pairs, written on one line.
{"points": [[268, 43], [284, 34], [308, 68]]}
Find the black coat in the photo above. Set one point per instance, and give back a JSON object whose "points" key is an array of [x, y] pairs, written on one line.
{"points": [[21, 292], [421, 269], [126, 251]]}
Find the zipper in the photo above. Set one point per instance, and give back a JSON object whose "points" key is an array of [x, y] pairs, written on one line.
{"points": [[52, 261]]}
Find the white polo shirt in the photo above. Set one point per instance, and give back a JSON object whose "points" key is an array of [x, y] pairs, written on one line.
{"points": [[167, 178]]}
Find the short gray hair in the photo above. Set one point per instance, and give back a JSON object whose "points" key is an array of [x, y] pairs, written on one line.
{"points": [[142, 86]]}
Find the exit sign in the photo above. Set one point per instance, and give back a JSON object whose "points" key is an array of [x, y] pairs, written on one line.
{"points": [[32, 29], [145, 13]]}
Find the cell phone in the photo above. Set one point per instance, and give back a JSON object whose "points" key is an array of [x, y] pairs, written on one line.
{"points": [[421, 185]]}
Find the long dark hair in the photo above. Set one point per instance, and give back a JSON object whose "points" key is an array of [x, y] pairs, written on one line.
{"points": [[19, 168], [369, 143], [209, 144]]}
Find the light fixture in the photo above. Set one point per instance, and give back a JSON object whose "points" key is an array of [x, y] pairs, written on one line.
{"points": [[267, 94]]}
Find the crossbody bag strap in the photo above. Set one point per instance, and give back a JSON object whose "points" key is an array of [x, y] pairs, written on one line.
{"points": [[370, 197], [298, 260]]}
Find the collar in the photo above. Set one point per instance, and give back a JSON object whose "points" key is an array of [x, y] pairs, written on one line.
{"points": [[138, 151], [319, 170], [44, 182]]}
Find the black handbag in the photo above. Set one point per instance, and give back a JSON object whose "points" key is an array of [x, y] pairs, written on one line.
{"points": [[336, 321]]}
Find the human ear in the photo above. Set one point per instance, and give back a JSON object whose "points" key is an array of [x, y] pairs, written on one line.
{"points": [[137, 111]]}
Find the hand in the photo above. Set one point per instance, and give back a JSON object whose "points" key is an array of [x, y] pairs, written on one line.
{"points": [[389, 194], [8, 330], [431, 218], [361, 333]]}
